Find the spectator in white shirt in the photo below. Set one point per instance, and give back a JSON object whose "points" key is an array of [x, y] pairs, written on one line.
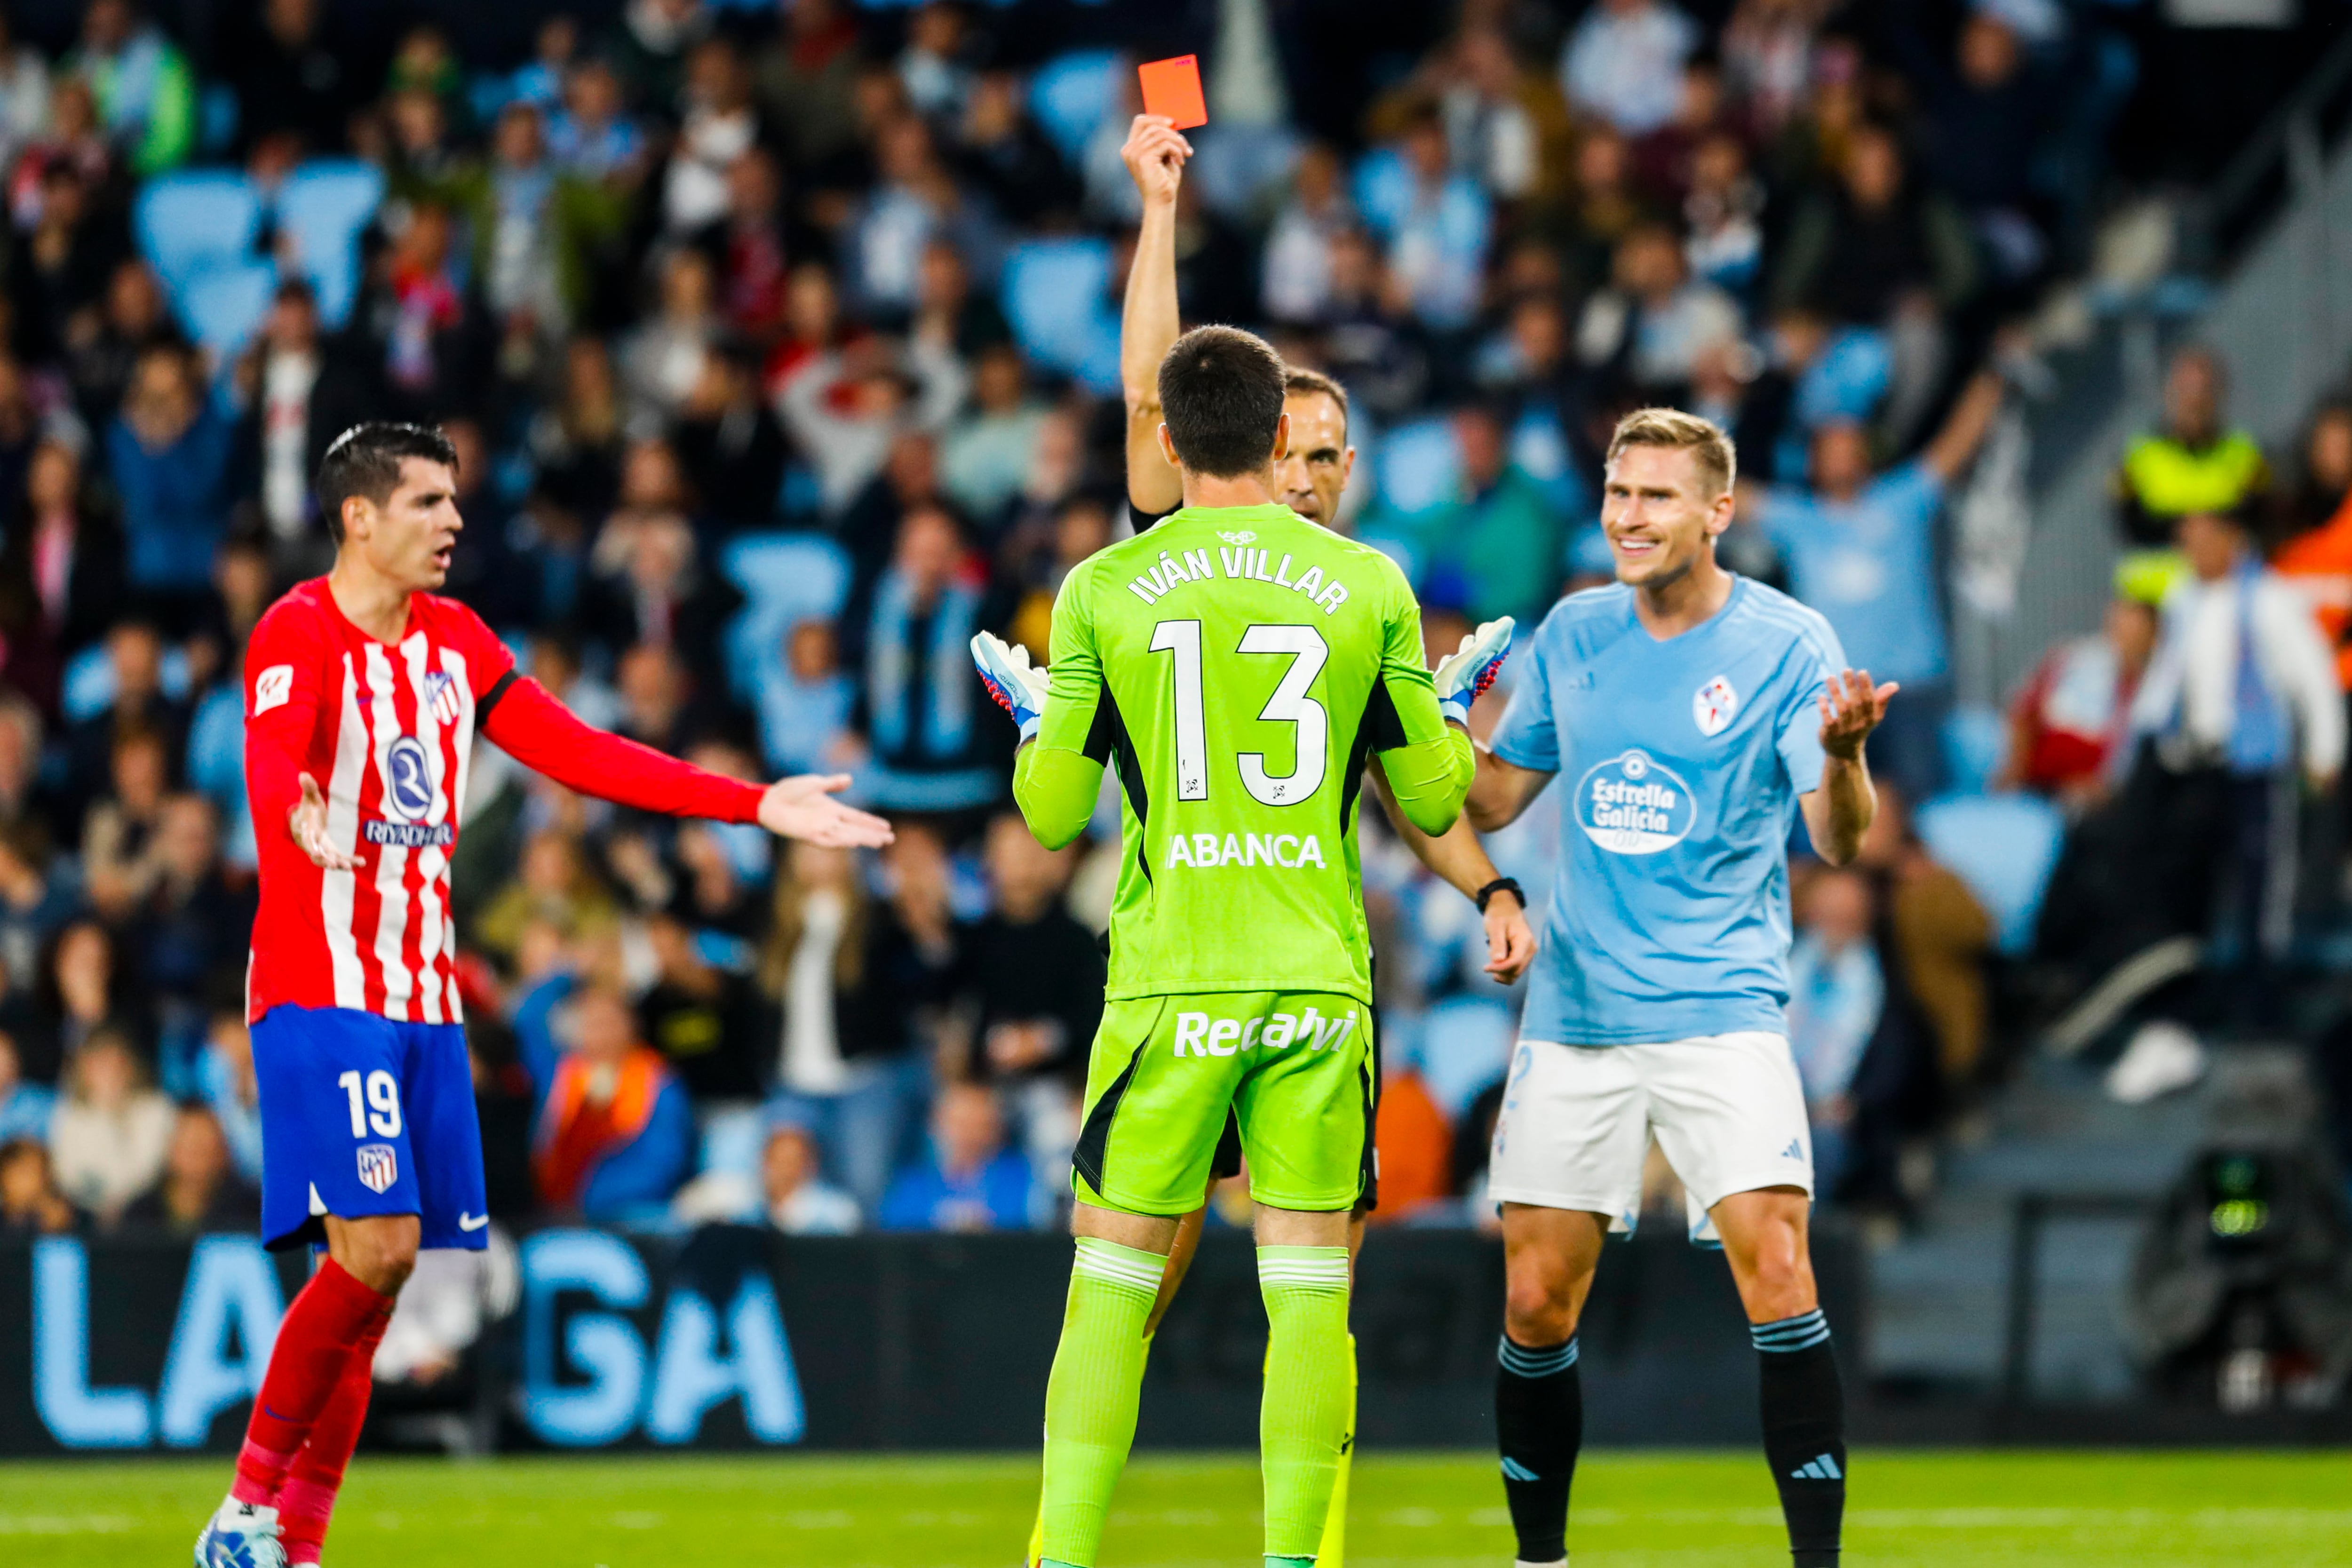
{"points": [[1495, 139], [1297, 273], [717, 126], [663, 360], [847, 408], [23, 94], [2241, 680], [111, 1132], [298, 397]]}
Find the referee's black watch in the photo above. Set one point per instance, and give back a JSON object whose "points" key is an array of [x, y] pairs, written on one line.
{"points": [[1501, 884]]}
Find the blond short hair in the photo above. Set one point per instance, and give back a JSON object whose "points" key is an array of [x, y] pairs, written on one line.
{"points": [[1704, 439]]}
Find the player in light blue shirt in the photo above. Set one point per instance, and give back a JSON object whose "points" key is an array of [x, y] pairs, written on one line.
{"points": [[1691, 716], [1682, 761]]}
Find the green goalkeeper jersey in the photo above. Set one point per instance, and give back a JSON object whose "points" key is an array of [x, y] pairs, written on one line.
{"points": [[1237, 665]]}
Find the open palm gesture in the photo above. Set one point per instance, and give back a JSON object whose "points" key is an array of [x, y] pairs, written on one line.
{"points": [[1851, 709], [804, 807], [307, 820]]}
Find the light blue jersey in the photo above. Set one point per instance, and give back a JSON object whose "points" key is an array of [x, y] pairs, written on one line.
{"points": [[1680, 763]]}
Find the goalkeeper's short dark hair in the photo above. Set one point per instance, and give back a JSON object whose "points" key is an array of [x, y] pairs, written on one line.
{"points": [[365, 459], [1221, 392]]}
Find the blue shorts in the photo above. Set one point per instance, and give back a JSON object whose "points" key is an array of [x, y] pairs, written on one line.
{"points": [[362, 1116]]}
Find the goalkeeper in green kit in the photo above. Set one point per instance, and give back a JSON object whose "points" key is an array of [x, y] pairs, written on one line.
{"points": [[1239, 664]]}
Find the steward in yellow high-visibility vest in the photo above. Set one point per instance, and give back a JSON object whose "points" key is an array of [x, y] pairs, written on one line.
{"points": [[2193, 465]]}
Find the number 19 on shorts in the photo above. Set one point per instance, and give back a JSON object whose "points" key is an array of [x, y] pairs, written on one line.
{"points": [[374, 1102]]}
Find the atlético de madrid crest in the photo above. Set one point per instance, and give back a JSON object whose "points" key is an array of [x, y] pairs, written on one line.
{"points": [[441, 696], [1713, 705], [379, 1166]]}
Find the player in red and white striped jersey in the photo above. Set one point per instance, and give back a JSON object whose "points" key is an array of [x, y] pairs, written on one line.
{"points": [[363, 693], [371, 736]]}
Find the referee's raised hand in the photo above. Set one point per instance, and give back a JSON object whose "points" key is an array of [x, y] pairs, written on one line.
{"points": [[1154, 153], [1851, 709]]}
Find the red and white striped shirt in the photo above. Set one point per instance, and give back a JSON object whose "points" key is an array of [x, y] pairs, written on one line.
{"points": [[386, 728]]}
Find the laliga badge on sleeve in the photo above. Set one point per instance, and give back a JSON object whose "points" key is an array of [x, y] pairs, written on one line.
{"points": [[1172, 87]]}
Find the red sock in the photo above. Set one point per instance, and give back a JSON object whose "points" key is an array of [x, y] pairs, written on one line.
{"points": [[314, 1342], [307, 1499]]}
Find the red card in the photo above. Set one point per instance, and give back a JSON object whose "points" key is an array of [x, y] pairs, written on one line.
{"points": [[1172, 87]]}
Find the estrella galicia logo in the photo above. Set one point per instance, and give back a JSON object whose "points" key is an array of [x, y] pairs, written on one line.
{"points": [[407, 779], [1633, 804]]}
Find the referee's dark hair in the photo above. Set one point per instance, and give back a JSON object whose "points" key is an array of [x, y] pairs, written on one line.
{"points": [[1221, 392], [364, 460], [1300, 381]]}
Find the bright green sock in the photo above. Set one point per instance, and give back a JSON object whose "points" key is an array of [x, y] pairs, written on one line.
{"points": [[1090, 1399], [1036, 1552], [1304, 1419], [1334, 1549]]}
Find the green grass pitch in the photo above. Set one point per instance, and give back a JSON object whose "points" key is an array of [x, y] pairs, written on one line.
{"points": [[1634, 1510]]}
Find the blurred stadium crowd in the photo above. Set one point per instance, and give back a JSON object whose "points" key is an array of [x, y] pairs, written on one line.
{"points": [[781, 345]]}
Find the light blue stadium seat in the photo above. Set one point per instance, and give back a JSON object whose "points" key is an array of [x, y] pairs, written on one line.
{"points": [[1238, 166], [325, 204], [1383, 190], [787, 578], [86, 685], [1420, 467], [2004, 847], [216, 767], [733, 1138], [1071, 94], [216, 744], [1055, 295], [1976, 737], [1464, 1044], [222, 306], [195, 220]]}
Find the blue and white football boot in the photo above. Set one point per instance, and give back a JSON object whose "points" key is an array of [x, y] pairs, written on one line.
{"points": [[241, 1535]]}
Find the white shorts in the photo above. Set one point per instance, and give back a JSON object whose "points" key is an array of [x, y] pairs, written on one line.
{"points": [[1727, 1109]]}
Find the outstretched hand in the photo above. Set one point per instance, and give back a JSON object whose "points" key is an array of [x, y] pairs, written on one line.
{"points": [[307, 820], [1851, 709], [803, 807], [1154, 153]]}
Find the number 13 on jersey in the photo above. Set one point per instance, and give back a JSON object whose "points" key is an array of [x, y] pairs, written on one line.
{"points": [[1289, 704]]}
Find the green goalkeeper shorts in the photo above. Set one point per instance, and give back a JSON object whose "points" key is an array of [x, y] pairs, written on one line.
{"points": [[1294, 1069]]}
